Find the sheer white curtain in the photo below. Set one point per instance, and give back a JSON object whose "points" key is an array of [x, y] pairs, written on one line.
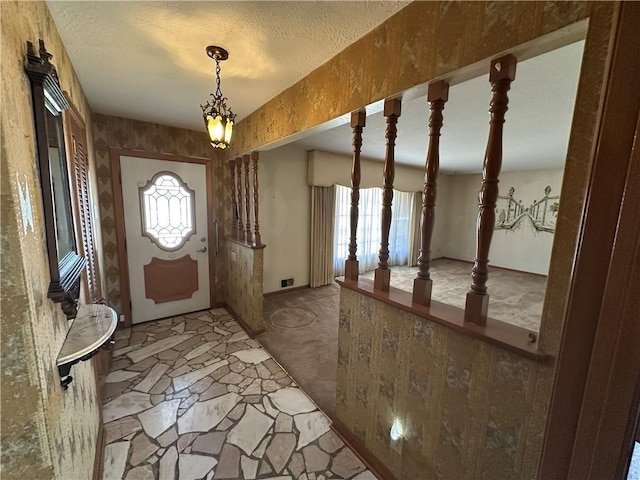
{"points": [[368, 235], [416, 233]]}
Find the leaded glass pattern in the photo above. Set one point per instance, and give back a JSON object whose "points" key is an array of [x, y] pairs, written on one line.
{"points": [[168, 211]]}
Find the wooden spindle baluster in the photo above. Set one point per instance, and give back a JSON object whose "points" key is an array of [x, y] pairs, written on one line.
{"points": [[239, 188], [247, 200], [382, 274], [256, 232], [358, 120], [234, 202], [437, 95], [502, 73]]}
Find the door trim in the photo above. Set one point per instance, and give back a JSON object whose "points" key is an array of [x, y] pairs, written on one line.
{"points": [[118, 207]]}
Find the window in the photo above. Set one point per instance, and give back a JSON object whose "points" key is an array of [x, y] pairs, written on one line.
{"points": [[369, 235], [168, 211]]}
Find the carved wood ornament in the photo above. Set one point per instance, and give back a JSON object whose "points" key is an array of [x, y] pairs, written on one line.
{"points": [[437, 95], [382, 274], [358, 120], [501, 74]]}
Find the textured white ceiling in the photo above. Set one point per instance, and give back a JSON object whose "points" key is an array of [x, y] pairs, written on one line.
{"points": [[146, 60], [536, 131]]}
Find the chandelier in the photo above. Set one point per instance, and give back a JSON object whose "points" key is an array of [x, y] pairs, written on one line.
{"points": [[218, 119]]}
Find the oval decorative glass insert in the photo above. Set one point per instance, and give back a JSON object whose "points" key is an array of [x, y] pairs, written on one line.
{"points": [[168, 211]]}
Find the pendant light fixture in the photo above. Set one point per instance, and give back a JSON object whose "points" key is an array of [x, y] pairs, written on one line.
{"points": [[218, 119]]}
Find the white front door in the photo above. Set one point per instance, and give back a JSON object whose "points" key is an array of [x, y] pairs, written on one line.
{"points": [[165, 216]]}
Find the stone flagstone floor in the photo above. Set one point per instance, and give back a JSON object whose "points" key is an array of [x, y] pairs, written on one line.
{"points": [[192, 397]]}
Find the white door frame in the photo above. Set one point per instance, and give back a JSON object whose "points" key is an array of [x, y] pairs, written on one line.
{"points": [[125, 291]]}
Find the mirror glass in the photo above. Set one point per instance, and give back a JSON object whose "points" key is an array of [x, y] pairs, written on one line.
{"points": [[59, 185]]}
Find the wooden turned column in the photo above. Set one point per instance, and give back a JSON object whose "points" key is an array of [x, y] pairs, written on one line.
{"points": [[239, 188], [502, 73], [382, 274], [357, 124], [437, 95], [256, 232], [247, 200], [234, 202]]}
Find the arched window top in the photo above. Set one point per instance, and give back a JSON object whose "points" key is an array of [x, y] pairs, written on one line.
{"points": [[168, 211]]}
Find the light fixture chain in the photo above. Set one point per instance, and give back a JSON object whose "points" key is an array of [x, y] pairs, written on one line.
{"points": [[218, 91]]}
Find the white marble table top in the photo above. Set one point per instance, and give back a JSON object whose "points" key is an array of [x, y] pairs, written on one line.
{"points": [[92, 327]]}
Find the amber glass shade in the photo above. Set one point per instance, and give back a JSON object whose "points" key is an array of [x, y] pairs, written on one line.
{"points": [[219, 129]]}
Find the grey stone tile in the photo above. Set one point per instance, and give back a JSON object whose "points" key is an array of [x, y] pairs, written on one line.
{"points": [[345, 464], [119, 429], [194, 467], [209, 443], [296, 465], [330, 442], [184, 441], [144, 472], [280, 449], [168, 437], [315, 459], [284, 423], [141, 449], [229, 463]]}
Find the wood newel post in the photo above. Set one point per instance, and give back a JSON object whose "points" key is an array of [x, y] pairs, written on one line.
{"points": [[247, 200], [239, 189], [382, 274], [256, 236], [234, 202], [437, 95], [502, 73], [358, 120]]}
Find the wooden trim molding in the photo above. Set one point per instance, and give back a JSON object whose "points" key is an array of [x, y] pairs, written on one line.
{"points": [[286, 290], [358, 447], [98, 462], [515, 339], [248, 330], [245, 245], [588, 426]]}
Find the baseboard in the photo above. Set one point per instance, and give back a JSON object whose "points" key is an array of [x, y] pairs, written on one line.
{"points": [[98, 461], [286, 290], [494, 266], [248, 330], [369, 459]]}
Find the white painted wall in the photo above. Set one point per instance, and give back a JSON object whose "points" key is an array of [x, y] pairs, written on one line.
{"points": [[285, 206], [326, 169], [523, 249]]}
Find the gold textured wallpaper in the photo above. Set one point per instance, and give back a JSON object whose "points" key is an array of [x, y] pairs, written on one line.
{"points": [[46, 432], [244, 283], [471, 410]]}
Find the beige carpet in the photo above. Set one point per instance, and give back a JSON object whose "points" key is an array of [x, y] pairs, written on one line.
{"points": [[302, 326]]}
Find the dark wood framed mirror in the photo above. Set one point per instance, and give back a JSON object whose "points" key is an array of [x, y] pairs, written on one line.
{"points": [[65, 265]]}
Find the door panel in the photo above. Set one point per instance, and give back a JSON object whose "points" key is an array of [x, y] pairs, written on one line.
{"points": [[167, 242]]}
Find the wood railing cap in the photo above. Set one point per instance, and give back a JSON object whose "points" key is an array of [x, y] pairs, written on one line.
{"points": [[358, 119], [503, 68], [392, 107], [438, 91]]}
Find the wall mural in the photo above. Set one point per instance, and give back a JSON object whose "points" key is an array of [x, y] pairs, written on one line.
{"points": [[512, 214]]}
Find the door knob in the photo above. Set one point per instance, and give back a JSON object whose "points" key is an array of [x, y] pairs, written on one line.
{"points": [[203, 249]]}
